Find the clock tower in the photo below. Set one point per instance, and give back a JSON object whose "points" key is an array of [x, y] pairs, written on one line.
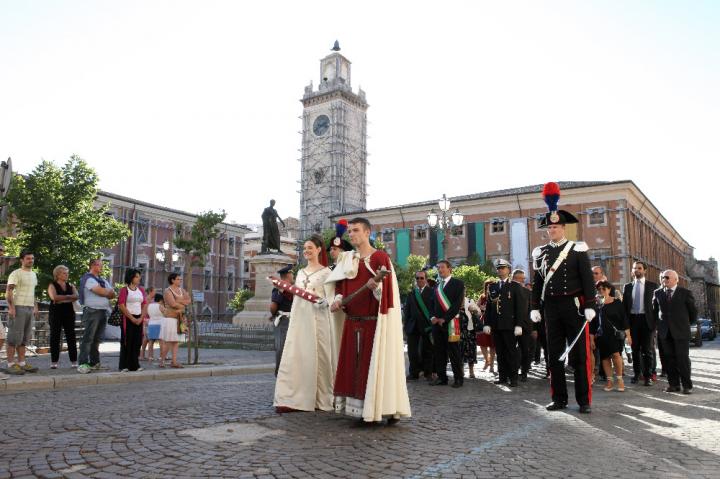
{"points": [[334, 146]]}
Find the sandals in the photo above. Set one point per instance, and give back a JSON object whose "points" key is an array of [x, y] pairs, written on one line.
{"points": [[177, 366]]}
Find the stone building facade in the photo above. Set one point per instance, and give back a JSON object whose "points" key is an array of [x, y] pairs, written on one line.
{"points": [[334, 146], [619, 223], [152, 225]]}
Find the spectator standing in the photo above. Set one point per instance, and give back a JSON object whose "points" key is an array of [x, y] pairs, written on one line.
{"points": [[485, 340], [468, 341], [62, 316], [416, 314], [637, 300], [22, 310], [526, 341], [150, 296], [674, 309], [176, 300], [95, 295], [613, 329], [132, 304]]}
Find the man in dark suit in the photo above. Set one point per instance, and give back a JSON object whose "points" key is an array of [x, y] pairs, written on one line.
{"points": [[526, 342], [448, 298], [674, 310], [504, 314], [637, 301], [418, 329]]}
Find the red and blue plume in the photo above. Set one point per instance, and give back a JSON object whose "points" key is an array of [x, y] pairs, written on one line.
{"points": [[551, 195], [341, 227]]}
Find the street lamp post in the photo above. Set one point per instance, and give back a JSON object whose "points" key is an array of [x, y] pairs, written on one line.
{"points": [[163, 255], [445, 220]]}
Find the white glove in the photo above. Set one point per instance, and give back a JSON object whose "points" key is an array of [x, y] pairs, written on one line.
{"points": [[518, 331], [535, 316], [589, 314], [486, 329]]}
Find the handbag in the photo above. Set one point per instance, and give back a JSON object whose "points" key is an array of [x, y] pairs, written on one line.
{"points": [[181, 328], [116, 316]]}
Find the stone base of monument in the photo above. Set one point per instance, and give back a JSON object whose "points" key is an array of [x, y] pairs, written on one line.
{"points": [[257, 308]]}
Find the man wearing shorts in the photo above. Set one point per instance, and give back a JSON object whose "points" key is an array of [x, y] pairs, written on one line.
{"points": [[22, 310]]}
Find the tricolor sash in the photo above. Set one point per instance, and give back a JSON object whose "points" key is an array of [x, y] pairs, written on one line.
{"points": [[442, 299], [454, 330]]}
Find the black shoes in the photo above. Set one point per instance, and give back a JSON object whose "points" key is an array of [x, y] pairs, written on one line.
{"points": [[438, 382], [555, 406], [457, 384], [500, 381], [585, 409], [391, 421], [672, 389], [523, 377], [648, 382], [634, 380], [513, 384], [687, 390], [412, 378]]}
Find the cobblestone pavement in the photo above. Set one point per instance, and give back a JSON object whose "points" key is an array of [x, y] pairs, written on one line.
{"points": [[225, 427]]}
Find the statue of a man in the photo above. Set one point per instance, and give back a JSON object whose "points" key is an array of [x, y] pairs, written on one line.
{"points": [[271, 232]]}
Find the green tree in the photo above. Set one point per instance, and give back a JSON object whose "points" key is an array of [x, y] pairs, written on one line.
{"points": [[237, 304], [474, 279], [195, 244], [57, 219], [406, 275]]}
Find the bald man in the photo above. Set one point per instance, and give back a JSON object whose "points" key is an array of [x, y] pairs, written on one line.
{"points": [[674, 310]]}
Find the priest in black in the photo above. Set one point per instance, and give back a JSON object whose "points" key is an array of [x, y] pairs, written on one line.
{"points": [[448, 298]]}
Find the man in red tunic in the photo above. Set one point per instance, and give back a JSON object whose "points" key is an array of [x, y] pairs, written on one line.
{"points": [[370, 379]]}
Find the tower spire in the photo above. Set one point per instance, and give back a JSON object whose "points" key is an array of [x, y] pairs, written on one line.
{"points": [[336, 47]]}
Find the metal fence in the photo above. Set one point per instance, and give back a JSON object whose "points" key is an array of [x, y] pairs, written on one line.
{"points": [[213, 330]]}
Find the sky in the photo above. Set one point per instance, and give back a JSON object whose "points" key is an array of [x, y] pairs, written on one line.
{"points": [[194, 105]]}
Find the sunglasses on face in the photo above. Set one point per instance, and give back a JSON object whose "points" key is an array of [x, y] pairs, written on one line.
{"points": [[666, 277]]}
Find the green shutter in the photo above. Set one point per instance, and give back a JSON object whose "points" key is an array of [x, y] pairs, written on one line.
{"points": [[402, 246], [480, 240], [440, 237]]}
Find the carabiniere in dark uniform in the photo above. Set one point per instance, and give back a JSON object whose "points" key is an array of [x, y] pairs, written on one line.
{"points": [[564, 291]]}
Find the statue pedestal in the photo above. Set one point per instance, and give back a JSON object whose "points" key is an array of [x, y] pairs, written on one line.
{"points": [[257, 308]]}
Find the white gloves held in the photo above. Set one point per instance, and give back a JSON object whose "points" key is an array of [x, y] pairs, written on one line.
{"points": [[589, 314], [535, 316], [518, 331], [487, 330]]}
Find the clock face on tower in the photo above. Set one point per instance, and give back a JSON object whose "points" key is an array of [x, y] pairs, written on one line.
{"points": [[321, 125]]}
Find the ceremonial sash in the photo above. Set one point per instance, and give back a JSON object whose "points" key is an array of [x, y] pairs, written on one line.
{"points": [[421, 303], [423, 308], [442, 299], [561, 257], [454, 330]]}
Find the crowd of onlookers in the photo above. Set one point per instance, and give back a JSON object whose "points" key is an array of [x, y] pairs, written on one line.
{"points": [[142, 315]]}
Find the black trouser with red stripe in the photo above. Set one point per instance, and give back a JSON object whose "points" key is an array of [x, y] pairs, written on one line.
{"points": [[563, 321]]}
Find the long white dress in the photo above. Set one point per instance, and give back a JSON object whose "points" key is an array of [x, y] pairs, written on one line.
{"points": [[307, 367]]}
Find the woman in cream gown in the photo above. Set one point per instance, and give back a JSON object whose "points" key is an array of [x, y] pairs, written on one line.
{"points": [[307, 367]]}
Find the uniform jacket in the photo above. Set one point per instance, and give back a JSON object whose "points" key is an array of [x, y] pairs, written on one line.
{"points": [[675, 315], [573, 276], [507, 306]]}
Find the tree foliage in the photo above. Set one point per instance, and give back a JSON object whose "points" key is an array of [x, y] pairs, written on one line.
{"points": [[237, 304], [57, 219], [196, 244], [473, 277], [406, 275]]}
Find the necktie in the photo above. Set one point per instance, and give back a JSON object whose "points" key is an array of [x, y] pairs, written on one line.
{"points": [[669, 294], [637, 298]]}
